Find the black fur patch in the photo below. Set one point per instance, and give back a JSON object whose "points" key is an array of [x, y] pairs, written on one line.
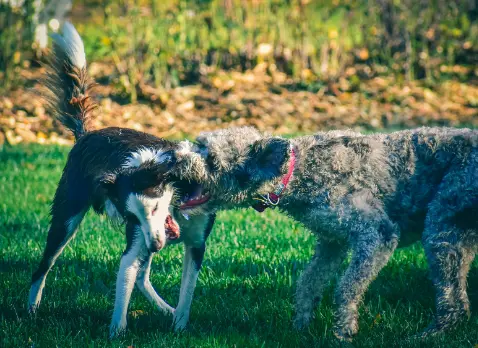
{"points": [[266, 158], [132, 226], [198, 253], [209, 226], [198, 256]]}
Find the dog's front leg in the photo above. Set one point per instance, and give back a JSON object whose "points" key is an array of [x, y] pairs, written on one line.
{"points": [[193, 257], [325, 263], [195, 232], [371, 250], [129, 268], [144, 284]]}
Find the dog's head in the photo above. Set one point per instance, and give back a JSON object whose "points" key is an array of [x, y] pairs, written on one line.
{"points": [[142, 195], [230, 166]]}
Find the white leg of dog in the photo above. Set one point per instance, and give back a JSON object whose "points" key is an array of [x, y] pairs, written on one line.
{"points": [[194, 233], [36, 291], [129, 268], [59, 235], [188, 284], [147, 289]]}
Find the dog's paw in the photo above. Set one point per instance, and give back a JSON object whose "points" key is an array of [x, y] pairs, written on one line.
{"points": [[180, 325], [180, 321], [32, 308], [117, 330], [34, 299], [167, 310], [301, 321], [346, 326], [346, 333], [342, 336]]}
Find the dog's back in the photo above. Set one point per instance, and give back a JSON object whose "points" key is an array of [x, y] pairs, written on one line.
{"points": [[420, 160]]}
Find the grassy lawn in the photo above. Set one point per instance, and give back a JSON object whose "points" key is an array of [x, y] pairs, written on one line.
{"points": [[244, 295]]}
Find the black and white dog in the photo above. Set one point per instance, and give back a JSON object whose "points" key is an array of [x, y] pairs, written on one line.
{"points": [[124, 173]]}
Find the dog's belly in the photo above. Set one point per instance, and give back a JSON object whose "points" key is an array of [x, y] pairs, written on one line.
{"points": [[409, 237], [332, 225], [325, 224], [410, 223]]}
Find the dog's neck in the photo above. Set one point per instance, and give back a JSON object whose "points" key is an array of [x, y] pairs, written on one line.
{"points": [[273, 196]]}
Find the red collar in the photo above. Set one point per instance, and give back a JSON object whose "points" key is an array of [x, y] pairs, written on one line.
{"points": [[272, 199]]}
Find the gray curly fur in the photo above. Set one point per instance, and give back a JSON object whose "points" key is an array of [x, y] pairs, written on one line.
{"points": [[366, 194]]}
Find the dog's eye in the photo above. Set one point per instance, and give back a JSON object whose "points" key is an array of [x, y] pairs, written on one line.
{"points": [[155, 209]]}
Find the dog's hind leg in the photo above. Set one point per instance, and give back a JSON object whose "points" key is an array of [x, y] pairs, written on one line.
{"points": [[133, 257], [449, 253], [450, 240], [468, 255], [67, 214], [144, 284], [193, 257], [326, 261], [371, 251]]}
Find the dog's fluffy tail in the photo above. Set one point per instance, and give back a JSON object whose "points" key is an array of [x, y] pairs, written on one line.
{"points": [[67, 82]]}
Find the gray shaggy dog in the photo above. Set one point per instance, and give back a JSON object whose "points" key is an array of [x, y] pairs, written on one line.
{"points": [[366, 194]]}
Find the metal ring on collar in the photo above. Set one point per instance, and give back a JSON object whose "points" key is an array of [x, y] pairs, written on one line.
{"points": [[269, 201]]}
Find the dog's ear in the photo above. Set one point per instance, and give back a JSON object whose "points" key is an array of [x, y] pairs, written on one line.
{"points": [[148, 177], [166, 161], [266, 157], [152, 173]]}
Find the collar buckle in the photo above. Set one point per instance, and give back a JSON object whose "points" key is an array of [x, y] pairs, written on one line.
{"points": [[272, 199]]}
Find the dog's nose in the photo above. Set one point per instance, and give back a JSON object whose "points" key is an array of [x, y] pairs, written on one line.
{"points": [[156, 245]]}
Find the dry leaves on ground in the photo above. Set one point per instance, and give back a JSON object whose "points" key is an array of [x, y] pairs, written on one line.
{"points": [[270, 102]]}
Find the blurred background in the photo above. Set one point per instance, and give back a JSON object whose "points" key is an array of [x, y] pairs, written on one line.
{"points": [[176, 67]]}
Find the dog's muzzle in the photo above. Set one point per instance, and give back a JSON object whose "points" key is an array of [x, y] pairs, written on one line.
{"points": [[171, 228]]}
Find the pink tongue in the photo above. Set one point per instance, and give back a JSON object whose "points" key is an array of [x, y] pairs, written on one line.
{"points": [[194, 202]]}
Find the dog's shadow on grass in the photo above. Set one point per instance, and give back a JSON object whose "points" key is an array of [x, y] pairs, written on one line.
{"points": [[394, 292], [218, 307]]}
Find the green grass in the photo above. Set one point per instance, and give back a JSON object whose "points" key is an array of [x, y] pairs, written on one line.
{"points": [[244, 294]]}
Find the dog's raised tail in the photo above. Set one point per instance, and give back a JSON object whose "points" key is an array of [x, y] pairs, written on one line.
{"points": [[67, 82]]}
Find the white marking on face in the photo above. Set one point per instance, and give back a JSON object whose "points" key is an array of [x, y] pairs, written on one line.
{"points": [[151, 213], [145, 155]]}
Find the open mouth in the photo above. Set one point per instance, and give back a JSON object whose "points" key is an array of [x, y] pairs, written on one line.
{"points": [[171, 228], [195, 198]]}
